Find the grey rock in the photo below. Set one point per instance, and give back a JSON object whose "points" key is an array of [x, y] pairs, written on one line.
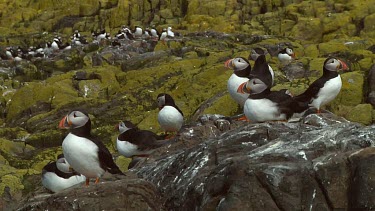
{"points": [[295, 71]]}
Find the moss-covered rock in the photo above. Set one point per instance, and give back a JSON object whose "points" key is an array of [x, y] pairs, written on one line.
{"points": [[332, 46], [351, 93], [307, 29], [361, 113]]}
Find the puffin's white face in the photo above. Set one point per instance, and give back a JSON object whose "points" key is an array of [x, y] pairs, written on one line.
{"points": [[169, 28], [333, 64], [237, 64], [289, 51], [63, 165], [77, 119], [254, 55], [255, 86], [122, 127], [161, 101]]}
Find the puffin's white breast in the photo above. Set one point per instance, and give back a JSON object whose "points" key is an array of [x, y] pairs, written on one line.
{"points": [[261, 110], [82, 155], [126, 148], [170, 119], [55, 183], [328, 92], [233, 83]]}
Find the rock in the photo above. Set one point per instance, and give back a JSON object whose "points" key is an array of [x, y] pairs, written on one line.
{"points": [[371, 86], [284, 165], [128, 194], [295, 71], [361, 113]]}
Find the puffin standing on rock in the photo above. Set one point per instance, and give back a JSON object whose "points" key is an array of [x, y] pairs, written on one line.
{"points": [[86, 155], [325, 88], [57, 176], [135, 142], [263, 104], [170, 117]]}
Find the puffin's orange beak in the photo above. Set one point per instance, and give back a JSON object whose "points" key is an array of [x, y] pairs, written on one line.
{"points": [[294, 56], [242, 90], [229, 64], [343, 66], [64, 123]]}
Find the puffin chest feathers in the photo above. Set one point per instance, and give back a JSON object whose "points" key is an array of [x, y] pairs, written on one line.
{"points": [[170, 119], [328, 92], [82, 154], [260, 110]]}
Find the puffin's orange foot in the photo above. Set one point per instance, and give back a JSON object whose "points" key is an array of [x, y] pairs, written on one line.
{"points": [[170, 136], [87, 182], [318, 111], [97, 180], [243, 118]]}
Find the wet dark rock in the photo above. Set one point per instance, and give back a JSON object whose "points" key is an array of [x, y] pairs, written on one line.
{"points": [[295, 71], [96, 60], [321, 162], [125, 194], [371, 86]]}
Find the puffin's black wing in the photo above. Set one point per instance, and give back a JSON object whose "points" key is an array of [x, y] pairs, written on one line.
{"points": [[311, 92], [286, 103], [144, 139], [105, 158]]}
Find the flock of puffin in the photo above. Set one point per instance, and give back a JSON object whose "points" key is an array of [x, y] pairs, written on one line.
{"points": [[43, 51], [85, 157]]}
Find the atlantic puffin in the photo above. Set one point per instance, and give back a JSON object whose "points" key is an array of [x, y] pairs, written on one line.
{"points": [[86, 154], [135, 142], [255, 53], [170, 33], [286, 55], [170, 117], [57, 177], [325, 88], [241, 70], [163, 35], [263, 104], [154, 34], [137, 32]]}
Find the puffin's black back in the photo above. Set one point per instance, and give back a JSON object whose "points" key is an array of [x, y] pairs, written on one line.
{"points": [[261, 71]]}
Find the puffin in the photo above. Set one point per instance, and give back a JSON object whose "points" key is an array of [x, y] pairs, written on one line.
{"points": [[286, 55], [55, 43], [133, 142], [241, 70], [154, 34], [263, 104], [57, 176], [170, 32], [137, 32], [170, 117], [327, 87], [255, 53], [163, 35], [85, 153]]}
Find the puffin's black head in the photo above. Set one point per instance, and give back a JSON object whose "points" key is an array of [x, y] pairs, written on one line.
{"points": [[165, 99], [334, 65], [288, 51], [255, 53], [60, 156], [125, 126], [78, 121]]}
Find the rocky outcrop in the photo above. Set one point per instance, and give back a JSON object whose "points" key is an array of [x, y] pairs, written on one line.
{"points": [[320, 162]]}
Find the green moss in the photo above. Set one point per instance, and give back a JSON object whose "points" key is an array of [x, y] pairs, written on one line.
{"points": [[332, 46], [361, 113], [11, 181], [307, 29], [225, 105], [351, 93], [123, 163]]}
